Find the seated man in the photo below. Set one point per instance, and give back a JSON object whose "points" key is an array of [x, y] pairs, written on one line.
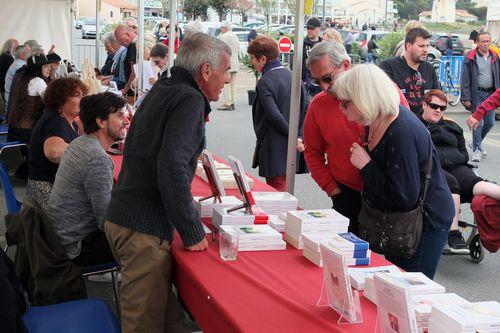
{"points": [[449, 141], [83, 183]]}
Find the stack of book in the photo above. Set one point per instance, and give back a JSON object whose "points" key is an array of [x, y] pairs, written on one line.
{"points": [[256, 237], [358, 275], [354, 249], [207, 206], [225, 174], [220, 216], [481, 317], [319, 221], [274, 203], [423, 304], [276, 223]]}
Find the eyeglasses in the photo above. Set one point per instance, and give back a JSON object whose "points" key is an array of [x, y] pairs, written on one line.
{"points": [[433, 106], [419, 79], [328, 79]]}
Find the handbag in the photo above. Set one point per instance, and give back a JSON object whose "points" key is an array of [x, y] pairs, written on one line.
{"points": [[394, 233]]}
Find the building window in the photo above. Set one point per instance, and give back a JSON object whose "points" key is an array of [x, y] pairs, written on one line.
{"points": [[111, 14]]}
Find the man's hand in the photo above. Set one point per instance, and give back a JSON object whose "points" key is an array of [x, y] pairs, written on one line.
{"points": [[467, 104], [300, 145], [153, 79], [201, 246], [335, 192], [359, 156], [472, 122]]}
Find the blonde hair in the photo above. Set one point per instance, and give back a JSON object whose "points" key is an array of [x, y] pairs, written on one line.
{"points": [[149, 40], [412, 24], [333, 34], [370, 90]]}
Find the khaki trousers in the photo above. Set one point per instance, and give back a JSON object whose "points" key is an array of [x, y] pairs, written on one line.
{"points": [[147, 301], [229, 89]]}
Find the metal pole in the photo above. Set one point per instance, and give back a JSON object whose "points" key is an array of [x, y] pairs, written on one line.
{"points": [[293, 130], [97, 28], [385, 19], [140, 45], [171, 41], [324, 9], [72, 38]]}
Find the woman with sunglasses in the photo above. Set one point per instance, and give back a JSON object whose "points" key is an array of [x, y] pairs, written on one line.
{"points": [[271, 112], [395, 159], [448, 138]]}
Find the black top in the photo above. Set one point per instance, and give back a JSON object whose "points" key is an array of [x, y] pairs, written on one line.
{"points": [[5, 61], [153, 193], [395, 175], [449, 43], [407, 79], [371, 46], [106, 69], [308, 45], [50, 124], [130, 57]]}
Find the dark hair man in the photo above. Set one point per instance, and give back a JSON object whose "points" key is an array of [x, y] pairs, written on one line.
{"points": [[82, 188], [411, 72]]}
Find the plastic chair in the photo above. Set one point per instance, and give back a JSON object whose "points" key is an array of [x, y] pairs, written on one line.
{"points": [[13, 205], [112, 268], [82, 316]]}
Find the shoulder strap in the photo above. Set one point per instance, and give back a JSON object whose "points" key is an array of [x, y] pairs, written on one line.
{"points": [[427, 180]]}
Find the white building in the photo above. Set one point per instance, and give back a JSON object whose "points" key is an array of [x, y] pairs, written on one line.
{"points": [[371, 12], [443, 11]]}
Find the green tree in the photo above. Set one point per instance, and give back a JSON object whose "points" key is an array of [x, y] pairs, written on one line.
{"points": [[195, 8], [265, 7], [409, 9], [220, 6], [242, 7], [388, 43]]}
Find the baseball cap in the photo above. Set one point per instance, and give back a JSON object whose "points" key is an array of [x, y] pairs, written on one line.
{"points": [[313, 22]]}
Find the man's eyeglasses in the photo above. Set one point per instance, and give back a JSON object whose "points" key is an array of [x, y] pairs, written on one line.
{"points": [[419, 79], [437, 106], [328, 79]]}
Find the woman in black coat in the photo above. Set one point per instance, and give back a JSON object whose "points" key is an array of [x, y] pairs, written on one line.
{"points": [[271, 112], [464, 184]]}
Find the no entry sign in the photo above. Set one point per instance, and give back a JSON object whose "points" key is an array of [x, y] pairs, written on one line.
{"points": [[285, 44]]}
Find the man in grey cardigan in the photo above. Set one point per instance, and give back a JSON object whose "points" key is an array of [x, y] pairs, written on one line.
{"points": [[153, 193], [82, 188]]}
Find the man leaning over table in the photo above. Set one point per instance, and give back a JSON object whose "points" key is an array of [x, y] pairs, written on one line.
{"points": [[329, 135], [82, 187], [153, 192]]}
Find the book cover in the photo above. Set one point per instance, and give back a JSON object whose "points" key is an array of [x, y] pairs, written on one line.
{"points": [[358, 276]]}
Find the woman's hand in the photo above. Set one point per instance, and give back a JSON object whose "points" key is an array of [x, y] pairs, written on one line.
{"points": [[359, 156], [300, 145], [472, 123]]}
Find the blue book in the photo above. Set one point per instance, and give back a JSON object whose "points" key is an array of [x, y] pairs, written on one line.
{"points": [[358, 261], [349, 242]]}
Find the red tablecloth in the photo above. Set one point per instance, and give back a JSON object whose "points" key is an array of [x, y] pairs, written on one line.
{"points": [[273, 291]]}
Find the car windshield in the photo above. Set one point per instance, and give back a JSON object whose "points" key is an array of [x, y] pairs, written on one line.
{"points": [[89, 21]]}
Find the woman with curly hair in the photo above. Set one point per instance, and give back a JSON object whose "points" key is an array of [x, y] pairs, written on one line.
{"points": [[52, 135]]}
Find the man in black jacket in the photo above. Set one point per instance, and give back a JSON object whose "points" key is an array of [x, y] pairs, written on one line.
{"points": [[153, 193], [313, 29]]}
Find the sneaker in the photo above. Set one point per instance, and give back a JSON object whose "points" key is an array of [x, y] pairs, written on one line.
{"points": [[456, 243], [484, 153], [105, 277], [226, 107], [477, 155]]}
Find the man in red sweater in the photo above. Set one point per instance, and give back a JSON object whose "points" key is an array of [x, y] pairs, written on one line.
{"points": [[328, 135], [489, 105]]}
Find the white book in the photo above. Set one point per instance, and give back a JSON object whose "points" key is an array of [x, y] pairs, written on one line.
{"points": [[358, 276], [466, 317], [418, 283], [313, 239], [395, 307], [276, 223], [207, 206], [221, 216], [257, 233], [348, 242], [317, 216], [262, 247], [369, 292], [423, 302], [362, 261]]}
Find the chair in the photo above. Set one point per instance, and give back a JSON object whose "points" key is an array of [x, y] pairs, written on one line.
{"points": [[112, 268], [82, 316]]}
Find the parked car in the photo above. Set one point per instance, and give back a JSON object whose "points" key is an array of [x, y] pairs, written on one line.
{"points": [[89, 28], [255, 25], [439, 42], [79, 22]]}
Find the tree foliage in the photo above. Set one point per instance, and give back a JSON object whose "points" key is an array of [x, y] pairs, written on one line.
{"points": [[265, 7], [242, 7], [195, 8], [409, 9], [388, 43], [221, 7]]}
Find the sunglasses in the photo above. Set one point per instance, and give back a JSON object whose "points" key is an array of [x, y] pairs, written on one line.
{"points": [[419, 79], [328, 79], [433, 106]]}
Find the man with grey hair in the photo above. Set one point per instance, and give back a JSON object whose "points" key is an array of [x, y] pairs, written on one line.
{"points": [[328, 132], [153, 194], [111, 45], [229, 37], [21, 53]]}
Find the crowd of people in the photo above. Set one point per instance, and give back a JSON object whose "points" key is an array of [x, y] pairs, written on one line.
{"points": [[366, 132]]}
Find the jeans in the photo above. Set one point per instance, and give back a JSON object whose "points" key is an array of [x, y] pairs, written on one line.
{"points": [[484, 125], [370, 57], [428, 254]]}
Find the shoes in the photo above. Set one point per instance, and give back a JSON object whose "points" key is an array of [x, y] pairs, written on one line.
{"points": [[226, 107], [456, 243], [484, 153], [477, 155], [105, 277]]}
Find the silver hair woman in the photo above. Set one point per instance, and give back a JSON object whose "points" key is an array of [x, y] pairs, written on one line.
{"points": [[395, 159]]}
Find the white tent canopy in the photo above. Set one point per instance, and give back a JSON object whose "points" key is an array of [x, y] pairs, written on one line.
{"points": [[493, 20], [46, 21]]}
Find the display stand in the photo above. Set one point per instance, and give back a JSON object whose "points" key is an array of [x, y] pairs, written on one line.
{"points": [[343, 311], [214, 182], [243, 187]]}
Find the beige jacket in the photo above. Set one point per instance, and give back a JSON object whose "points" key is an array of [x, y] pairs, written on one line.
{"points": [[231, 40]]}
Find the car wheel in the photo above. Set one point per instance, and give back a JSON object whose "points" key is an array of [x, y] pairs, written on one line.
{"points": [[431, 57]]}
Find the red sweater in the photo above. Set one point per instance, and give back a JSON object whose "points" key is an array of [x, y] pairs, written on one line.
{"points": [[327, 130], [491, 103]]}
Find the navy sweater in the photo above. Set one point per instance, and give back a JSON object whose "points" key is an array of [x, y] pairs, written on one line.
{"points": [[394, 177]]}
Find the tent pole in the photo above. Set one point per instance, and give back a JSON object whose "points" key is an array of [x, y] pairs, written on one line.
{"points": [[171, 33], [97, 29], [295, 97], [140, 46]]}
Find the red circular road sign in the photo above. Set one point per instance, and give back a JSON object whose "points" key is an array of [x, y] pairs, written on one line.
{"points": [[285, 44]]}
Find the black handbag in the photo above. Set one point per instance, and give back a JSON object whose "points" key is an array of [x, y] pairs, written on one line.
{"points": [[394, 233]]}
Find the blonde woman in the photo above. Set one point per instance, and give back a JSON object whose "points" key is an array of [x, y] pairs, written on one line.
{"points": [[333, 34], [394, 160]]}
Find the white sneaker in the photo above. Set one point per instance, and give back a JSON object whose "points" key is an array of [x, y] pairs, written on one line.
{"points": [[484, 153], [105, 277], [476, 155]]}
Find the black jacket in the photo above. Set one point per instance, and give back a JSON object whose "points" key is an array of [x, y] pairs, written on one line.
{"points": [[45, 271], [270, 114], [308, 45], [448, 138], [468, 82]]}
